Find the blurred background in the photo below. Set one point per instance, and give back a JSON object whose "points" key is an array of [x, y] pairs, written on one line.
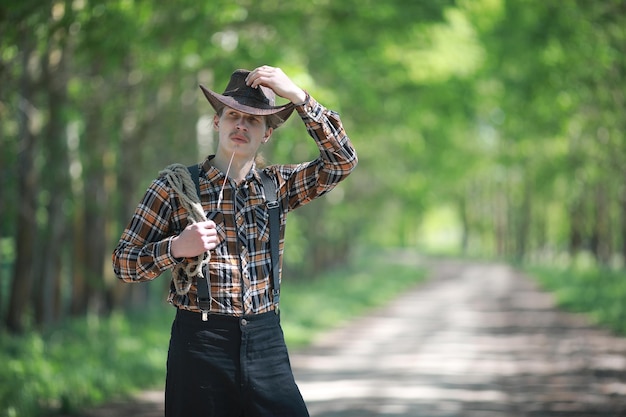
{"points": [[484, 128]]}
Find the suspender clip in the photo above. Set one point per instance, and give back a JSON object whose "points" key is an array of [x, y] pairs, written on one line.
{"points": [[276, 298]]}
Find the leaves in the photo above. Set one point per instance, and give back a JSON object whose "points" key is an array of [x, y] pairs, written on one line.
{"points": [[500, 108]]}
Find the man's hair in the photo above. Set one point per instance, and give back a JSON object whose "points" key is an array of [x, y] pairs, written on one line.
{"points": [[260, 161]]}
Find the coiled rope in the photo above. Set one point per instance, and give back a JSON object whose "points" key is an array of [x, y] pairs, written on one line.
{"points": [[178, 177]]}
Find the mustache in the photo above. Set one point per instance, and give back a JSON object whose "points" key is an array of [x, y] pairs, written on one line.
{"points": [[240, 134]]}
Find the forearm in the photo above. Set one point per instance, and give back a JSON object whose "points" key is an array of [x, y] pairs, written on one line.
{"points": [[144, 250], [138, 263], [337, 159], [337, 153]]}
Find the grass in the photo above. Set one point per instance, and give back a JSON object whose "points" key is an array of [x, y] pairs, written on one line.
{"points": [[83, 363], [598, 293], [93, 360], [310, 307]]}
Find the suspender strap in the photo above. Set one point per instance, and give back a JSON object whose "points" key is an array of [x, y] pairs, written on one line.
{"points": [[204, 290], [272, 205], [194, 171]]}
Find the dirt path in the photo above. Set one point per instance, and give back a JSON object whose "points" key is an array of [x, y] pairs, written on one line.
{"points": [[476, 340]]}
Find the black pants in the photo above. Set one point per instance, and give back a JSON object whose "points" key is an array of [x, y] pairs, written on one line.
{"points": [[230, 367]]}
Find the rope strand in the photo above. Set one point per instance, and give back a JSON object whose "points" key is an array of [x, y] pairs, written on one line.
{"points": [[178, 177]]}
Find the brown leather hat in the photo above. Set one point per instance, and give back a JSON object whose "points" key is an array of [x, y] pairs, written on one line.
{"points": [[257, 101]]}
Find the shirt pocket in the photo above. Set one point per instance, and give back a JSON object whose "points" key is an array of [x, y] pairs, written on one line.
{"points": [[256, 218], [218, 219]]}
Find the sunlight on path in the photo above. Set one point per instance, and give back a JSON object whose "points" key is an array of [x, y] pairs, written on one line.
{"points": [[477, 340]]}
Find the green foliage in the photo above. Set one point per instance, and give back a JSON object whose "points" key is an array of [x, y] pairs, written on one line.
{"points": [[507, 112], [89, 361], [598, 293], [84, 363]]}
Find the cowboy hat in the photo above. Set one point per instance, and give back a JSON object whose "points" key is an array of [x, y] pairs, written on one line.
{"points": [[257, 101]]}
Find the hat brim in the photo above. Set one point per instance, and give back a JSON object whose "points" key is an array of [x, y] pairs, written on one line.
{"points": [[276, 115]]}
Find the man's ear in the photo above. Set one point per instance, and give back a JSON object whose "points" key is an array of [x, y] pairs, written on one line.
{"points": [[268, 134], [216, 122]]}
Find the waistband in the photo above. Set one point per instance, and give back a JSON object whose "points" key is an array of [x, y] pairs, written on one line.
{"points": [[188, 316]]}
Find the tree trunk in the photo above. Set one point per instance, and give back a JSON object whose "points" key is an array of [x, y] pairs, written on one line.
{"points": [[500, 221], [602, 246], [95, 204], [56, 182], [22, 281], [78, 286], [89, 291], [464, 216], [523, 223], [623, 222]]}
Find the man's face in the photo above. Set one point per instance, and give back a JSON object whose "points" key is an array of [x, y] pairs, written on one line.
{"points": [[240, 130]]}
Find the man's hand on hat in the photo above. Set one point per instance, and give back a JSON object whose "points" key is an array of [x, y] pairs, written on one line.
{"points": [[278, 81]]}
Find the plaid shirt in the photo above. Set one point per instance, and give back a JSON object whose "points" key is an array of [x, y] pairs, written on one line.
{"points": [[239, 267]]}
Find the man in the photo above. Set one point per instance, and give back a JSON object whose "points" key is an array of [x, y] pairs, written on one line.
{"points": [[231, 359]]}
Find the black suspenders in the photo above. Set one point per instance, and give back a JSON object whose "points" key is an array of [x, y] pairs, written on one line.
{"points": [[202, 285], [271, 198], [269, 188]]}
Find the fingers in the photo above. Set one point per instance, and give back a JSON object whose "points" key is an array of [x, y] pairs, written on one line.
{"points": [[266, 76], [195, 239], [278, 81], [207, 234], [206, 225]]}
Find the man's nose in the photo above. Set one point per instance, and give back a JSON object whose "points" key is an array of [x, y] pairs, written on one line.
{"points": [[241, 123]]}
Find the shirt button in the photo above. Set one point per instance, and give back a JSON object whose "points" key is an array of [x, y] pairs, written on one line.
{"points": [[244, 322]]}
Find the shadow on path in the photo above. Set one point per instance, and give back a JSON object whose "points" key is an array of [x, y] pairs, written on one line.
{"points": [[475, 340]]}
